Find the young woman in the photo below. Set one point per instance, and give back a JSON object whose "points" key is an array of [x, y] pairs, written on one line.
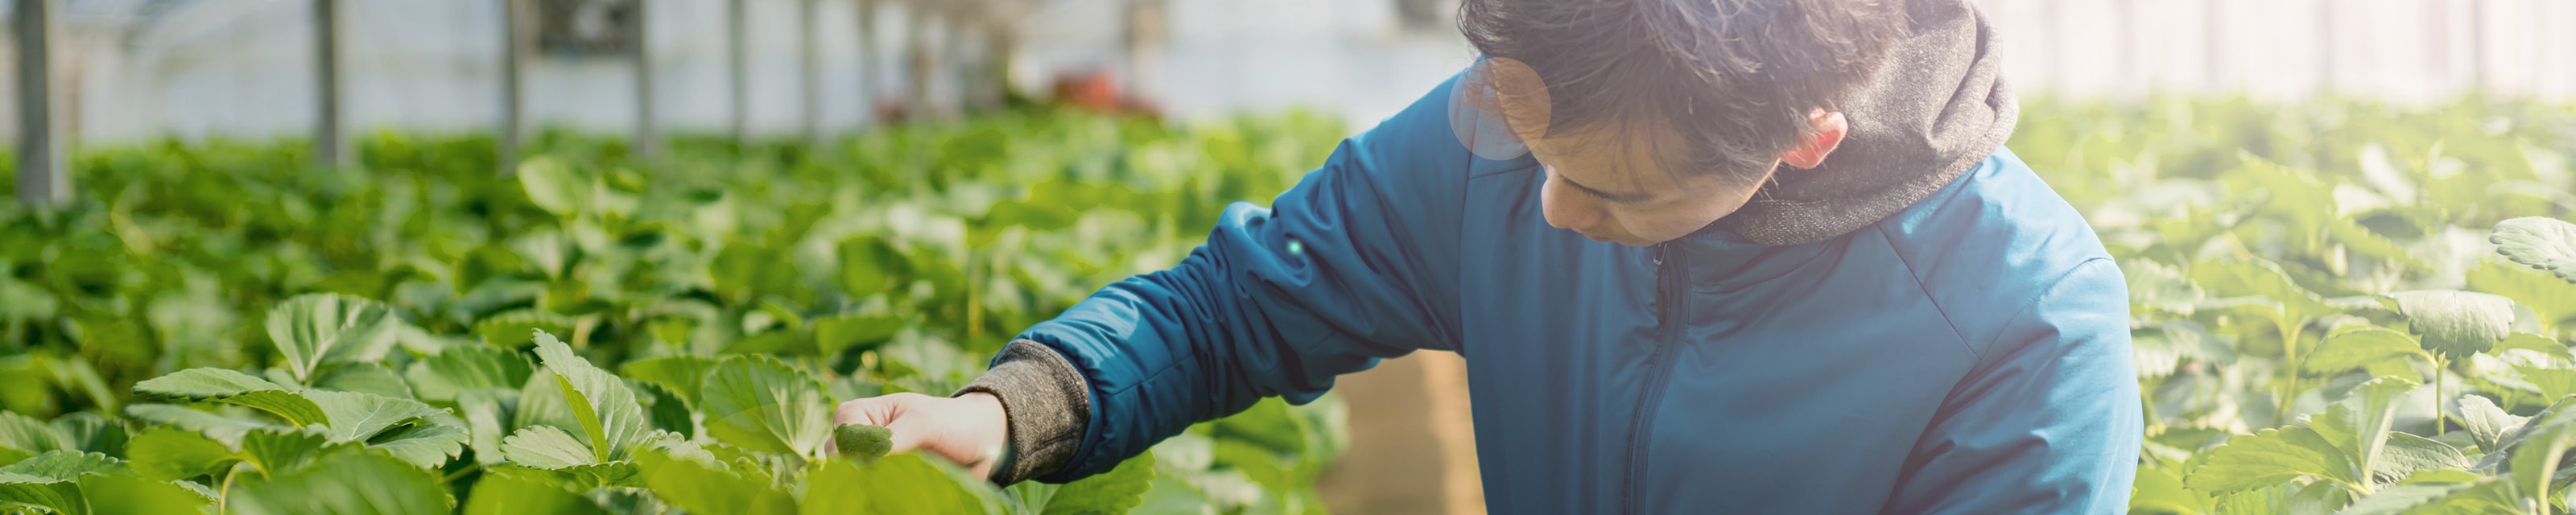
{"points": [[1761, 256]]}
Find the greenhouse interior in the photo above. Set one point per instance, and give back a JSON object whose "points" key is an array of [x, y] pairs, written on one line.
{"points": [[1272, 257]]}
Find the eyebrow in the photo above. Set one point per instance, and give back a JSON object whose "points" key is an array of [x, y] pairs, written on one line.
{"points": [[1625, 198]]}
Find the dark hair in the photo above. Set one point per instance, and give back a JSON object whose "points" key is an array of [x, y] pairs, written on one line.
{"points": [[1736, 78]]}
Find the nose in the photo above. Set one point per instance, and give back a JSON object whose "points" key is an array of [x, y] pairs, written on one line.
{"points": [[1567, 210]]}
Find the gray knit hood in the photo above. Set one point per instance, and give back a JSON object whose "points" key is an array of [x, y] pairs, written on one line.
{"points": [[1936, 108]]}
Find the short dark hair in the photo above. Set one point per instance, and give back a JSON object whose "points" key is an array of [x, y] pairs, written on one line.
{"points": [[1736, 78]]}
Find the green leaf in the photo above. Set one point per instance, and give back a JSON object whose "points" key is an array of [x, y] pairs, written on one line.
{"points": [[230, 387], [169, 453], [2534, 343], [487, 420], [439, 378], [365, 377], [358, 417], [313, 329], [2262, 279], [2360, 424], [700, 489], [2269, 458], [555, 186], [682, 375], [345, 482], [2456, 324], [2553, 301], [279, 451], [863, 442], [601, 402], [426, 443], [762, 404], [129, 494], [505, 330], [2536, 460], [21, 437], [2354, 348], [517, 494], [2155, 492], [2486, 422], [546, 447], [61, 496], [1109, 493], [2398, 499], [2541, 243], [2407, 455], [67, 465], [221, 428], [899, 484], [90, 432]]}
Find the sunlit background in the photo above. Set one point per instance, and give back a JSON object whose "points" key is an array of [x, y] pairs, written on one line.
{"points": [[992, 160]]}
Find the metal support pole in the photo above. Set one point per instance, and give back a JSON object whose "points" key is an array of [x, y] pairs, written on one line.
{"points": [[1145, 37], [867, 59], [42, 179], [737, 69], [648, 136], [329, 149], [515, 26], [809, 71]]}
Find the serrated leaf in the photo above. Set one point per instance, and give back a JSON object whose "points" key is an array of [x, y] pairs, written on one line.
{"points": [[515, 494], [2540, 243], [682, 375], [762, 404], [487, 420], [345, 482], [230, 387], [439, 378], [2269, 458], [2361, 423], [2534, 343], [2396, 500], [2407, 454], [700, 489], [2455, 324], [67, 465], [2261, 279], [2486, 422], [836, 334], [129, 494], [279, 451], [1109, 493], [2353, 348], [357, 417], [899, 484], [21, 437], [2155, 491], [313, 329], [426, 444], [90, 432], [49, 493], [862, 442], [546, 447], [221, 428], [2552, 300], [170, 453], [601, 402]]}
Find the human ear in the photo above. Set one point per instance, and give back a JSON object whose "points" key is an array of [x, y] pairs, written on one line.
{"points": [[1825, 130]]}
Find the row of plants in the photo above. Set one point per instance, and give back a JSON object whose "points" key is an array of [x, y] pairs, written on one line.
{"points": [[2337, 306], [220, 327]]}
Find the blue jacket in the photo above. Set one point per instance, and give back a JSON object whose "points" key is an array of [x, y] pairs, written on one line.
{"points": [[1968, 354]]}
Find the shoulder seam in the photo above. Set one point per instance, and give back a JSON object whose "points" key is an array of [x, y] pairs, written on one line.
{"points": [[1912, 275]]}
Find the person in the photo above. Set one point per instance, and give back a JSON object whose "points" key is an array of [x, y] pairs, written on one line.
{"points": [[1762, 256]]}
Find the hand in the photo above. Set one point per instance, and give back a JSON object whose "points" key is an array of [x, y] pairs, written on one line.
{"points": [[970, 430]]}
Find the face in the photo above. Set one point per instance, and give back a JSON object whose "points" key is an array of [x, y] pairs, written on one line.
{"points": [[1618, 192]]}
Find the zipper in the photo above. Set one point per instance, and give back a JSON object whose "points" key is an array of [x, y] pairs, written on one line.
{"points": [[1669, 330]]}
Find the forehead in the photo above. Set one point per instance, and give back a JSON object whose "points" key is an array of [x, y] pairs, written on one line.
{"points": [[1637, 157]]}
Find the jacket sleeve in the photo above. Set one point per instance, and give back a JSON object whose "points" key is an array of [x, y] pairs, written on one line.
{"points": [[2049, 421], [1357, 262]]}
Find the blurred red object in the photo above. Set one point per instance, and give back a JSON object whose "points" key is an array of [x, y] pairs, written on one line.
{"points": [[1097, 90]]}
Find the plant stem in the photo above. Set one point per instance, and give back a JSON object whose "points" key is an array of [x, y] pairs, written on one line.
{"points": [[224, 494], [451, 477]]}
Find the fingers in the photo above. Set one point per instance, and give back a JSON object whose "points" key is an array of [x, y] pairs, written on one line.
{"points": [[887, 411]]}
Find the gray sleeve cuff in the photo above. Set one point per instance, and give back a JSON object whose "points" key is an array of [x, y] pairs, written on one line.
{"points": [[1047, 403]]}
